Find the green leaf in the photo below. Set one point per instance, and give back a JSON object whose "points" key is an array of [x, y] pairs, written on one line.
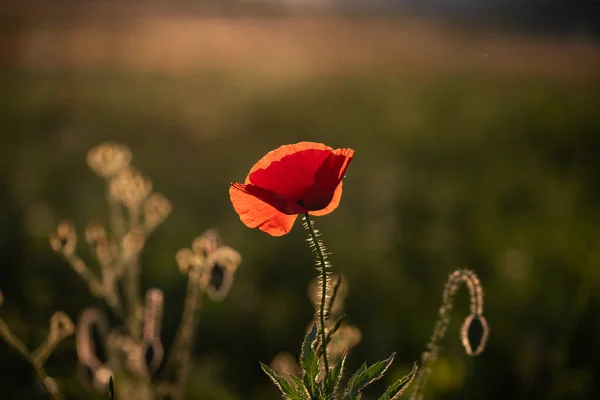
{"points": [[361, 380], [358, 373], [299, 385], [310, 362], [111, 389], [335, 375], [396, 390], [291, 392]]}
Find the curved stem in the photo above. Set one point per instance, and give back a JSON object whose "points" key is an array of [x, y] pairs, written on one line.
{"points": [[321, 257], [430, 355], [38, 369]]}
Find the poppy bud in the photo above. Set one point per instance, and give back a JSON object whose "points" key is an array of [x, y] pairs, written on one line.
{"points": [[464, 334]]}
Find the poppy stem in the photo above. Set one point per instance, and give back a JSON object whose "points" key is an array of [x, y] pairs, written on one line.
{"points": [[321, 265]]}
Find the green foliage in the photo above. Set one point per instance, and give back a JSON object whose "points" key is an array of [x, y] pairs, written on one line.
{"points": [[365, 376], [295, 390], [309, 362], [332, 380], [313, 386], [396, 390]]}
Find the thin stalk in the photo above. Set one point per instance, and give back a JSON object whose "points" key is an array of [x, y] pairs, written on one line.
{"points": [[38, 369], [430, 355], [117, 220], [41, 375], [180, 351], [321, 258], [95, 285], [132, 284]]}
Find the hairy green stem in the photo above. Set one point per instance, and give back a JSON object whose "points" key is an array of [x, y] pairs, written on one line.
{"points": [[321, 256]]}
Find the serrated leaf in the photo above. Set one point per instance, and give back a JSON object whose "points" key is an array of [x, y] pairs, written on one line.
{"points": [[332, 380], [289, 391], [310, 362], [299, 385], [396, 390], [358, 373], [368, 376]]}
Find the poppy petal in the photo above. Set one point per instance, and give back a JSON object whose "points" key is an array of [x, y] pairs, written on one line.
{"points": [[278, 202], [290, 170], [285, 150], [255, 213], [333, 204], [327, 179]]}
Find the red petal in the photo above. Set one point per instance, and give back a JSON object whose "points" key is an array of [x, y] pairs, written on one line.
{"points": [[289, 170], [255, 213], [335, 202], [324, 194], [282, 204]]}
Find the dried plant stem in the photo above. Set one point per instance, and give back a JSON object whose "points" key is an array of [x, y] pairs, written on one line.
{"points": [[430, 355], [132, 284], [13, 341], [117, 221], [95, 285], [179, 358], [321, 263], [45, 380], [38, 369]]}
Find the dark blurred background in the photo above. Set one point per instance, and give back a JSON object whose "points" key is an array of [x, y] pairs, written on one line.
{"points": [[476, 127]]}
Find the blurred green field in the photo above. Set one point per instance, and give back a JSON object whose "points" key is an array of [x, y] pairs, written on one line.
{"points": [[496, 172]]}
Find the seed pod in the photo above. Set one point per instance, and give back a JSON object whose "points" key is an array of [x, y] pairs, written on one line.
{"points": [[129, 188], [206, 244], [64, 239], [61, 327], [156, 208], [185, 260], [108, 158]]}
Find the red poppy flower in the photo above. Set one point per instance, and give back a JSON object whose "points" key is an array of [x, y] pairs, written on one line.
{"points": [[294, 179]]}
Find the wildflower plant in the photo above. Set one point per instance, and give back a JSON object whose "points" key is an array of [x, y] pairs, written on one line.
{"points": [[132, 351], [298, 179], [306, 178]]}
